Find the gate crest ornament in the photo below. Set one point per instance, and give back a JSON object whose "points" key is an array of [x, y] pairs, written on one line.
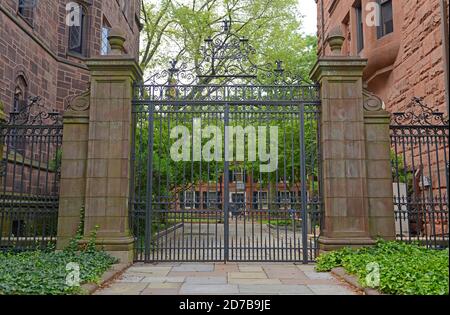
{"points": [[226, 58]]}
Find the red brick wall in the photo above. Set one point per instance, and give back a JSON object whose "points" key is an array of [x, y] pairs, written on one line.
{"points": [[39, 52], [401, 65]]}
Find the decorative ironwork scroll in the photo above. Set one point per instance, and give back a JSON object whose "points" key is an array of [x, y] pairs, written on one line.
{"points": [[34, 113], [419, 113]]}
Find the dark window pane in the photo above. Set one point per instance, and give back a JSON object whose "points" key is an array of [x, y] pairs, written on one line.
{"points": [[386, 18], [360, 30], [26, 8], [76, 36]]}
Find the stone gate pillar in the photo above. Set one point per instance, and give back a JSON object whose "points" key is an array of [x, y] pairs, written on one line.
{"points": [[96, 154], [346, 207], [379, 171], [72, 194], [109, 147]]}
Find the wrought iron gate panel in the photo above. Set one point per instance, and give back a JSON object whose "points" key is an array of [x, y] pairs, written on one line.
{"points": [[205, 206], [420, 169], [30, 174]]}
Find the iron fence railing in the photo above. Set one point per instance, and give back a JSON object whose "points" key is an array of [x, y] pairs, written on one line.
{"points": [[29, 183], [420, 169]]}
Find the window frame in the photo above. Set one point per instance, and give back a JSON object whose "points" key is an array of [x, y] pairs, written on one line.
{"points": [[29, 18], [259, 202], [194, 202], [207, 201], [359, 28], [82, 49], [104, 40], [382, 29]]}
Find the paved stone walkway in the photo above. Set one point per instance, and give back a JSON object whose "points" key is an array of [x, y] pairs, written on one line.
{"points": [[228, 279]]}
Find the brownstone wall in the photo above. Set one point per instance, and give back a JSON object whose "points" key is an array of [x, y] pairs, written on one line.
{"points": [[401, 65], [39, 52]]}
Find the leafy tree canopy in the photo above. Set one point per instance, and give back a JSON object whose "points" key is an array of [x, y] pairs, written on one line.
{"points": [[177, 29]]}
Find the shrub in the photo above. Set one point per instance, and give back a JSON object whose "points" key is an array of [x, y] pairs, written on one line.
{"points": [[41, 272], [44, 271], [404, 268]]}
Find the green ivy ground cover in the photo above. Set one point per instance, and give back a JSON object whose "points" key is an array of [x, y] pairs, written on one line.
{"points": [[44, 272], [404, 269]]}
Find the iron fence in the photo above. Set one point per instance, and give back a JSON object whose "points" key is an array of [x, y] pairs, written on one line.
{"points": [[29, 196], [420, 170], [205, 186]]}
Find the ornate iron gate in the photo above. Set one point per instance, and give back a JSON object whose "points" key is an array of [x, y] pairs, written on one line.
{"points": [[420, 171], [226, 163], [30, 171]]}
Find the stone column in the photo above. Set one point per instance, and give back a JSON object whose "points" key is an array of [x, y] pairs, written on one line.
{"points": [[379, 172], [346, 208], [73, 168], [109, 147]]}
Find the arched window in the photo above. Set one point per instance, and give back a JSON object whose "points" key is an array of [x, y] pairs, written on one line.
{"points": [[78, 29], [20, 94], [17, 142]]}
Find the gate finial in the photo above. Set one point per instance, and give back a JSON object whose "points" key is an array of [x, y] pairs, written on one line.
{"points": [[116, 40], [336, 40]]}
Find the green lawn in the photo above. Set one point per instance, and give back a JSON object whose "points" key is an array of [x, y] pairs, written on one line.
{"points": [[404, 269]]}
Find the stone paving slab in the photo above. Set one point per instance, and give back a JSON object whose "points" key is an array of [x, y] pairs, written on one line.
{"points": [[318, 275], [225, 279], [219, 289], [274, 289], [254, 281], [244, 268], [247, 275], [194, 267], [327, 289], [164, 279], [206, 280]]}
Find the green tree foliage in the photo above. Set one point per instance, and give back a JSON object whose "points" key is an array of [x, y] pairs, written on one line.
{"points": [[177, 29]]}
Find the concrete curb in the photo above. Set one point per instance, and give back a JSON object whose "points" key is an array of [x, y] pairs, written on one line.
{"points": [[353, 281], [113, 273]]}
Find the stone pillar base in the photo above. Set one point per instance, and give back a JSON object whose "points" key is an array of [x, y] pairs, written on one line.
{"points": [[329, 244], [121, 248]]}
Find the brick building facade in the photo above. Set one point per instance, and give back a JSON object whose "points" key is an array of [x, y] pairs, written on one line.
{"points": [[405, 54], [406, 60], [37, 58]]}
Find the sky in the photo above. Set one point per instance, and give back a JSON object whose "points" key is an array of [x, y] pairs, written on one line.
{"points": [[308, 8]]}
